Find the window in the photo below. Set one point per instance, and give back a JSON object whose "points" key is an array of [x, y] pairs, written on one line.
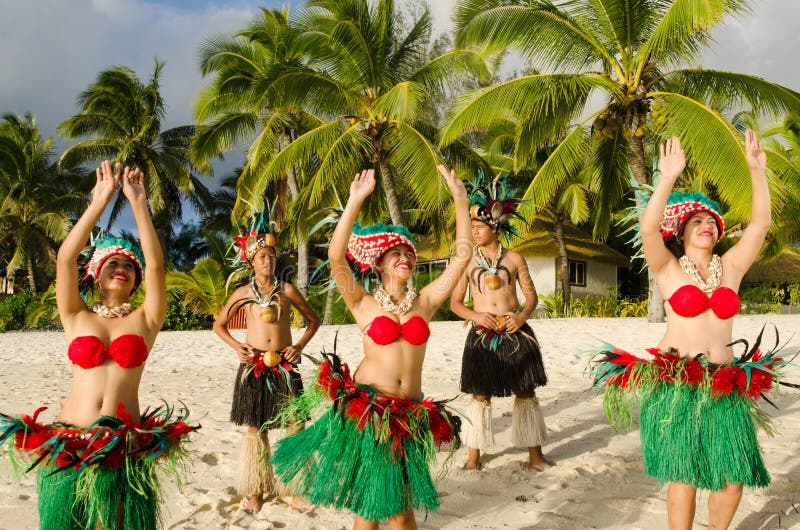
{"points": [[577, 273]]}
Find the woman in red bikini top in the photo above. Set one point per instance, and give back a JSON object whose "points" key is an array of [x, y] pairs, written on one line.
{"points": [[109, 342], [701, 288], [395, 318]]}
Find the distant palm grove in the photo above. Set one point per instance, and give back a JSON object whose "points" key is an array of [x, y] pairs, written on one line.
{"points": [[567, 99]]}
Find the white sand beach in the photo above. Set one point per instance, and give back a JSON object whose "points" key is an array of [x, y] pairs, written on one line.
{"points": [[597, 483]]}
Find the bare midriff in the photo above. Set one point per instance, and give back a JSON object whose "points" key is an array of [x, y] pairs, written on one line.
{"points": [[703, 334], [394, 369], [98, 392], [269, 336]]}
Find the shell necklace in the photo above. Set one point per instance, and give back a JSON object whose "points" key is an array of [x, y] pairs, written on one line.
{"points": [[112, 312], [269, 304], [385, 301], [710, 284], [492, 278]]}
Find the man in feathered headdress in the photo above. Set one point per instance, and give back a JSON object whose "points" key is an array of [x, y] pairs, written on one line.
{"points": [[501, 354], [267, 359]]}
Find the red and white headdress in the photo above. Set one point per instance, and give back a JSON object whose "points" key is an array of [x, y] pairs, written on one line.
{"points": [[681, 206], [367, 244]]}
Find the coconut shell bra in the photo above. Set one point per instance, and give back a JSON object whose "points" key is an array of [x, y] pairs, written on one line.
{"points": [[689, 301], [383, 330], [128, 351]]}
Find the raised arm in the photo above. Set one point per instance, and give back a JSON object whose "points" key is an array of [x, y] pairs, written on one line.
{"points": [[155, 301], [435, 293], [351, 291], [68, 297], [742, 255], [671, 163]]}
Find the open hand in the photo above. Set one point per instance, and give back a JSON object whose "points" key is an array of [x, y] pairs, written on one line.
{"points": [[453, 182], [754, 153], [672, 159], [133, 184], [291, 354], [107, 182], [362, 185]]}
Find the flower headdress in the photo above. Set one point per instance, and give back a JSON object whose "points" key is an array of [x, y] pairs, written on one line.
{"points": [[681, 206], [94, 256], [493, 202], [367, 244], [260, 234]]}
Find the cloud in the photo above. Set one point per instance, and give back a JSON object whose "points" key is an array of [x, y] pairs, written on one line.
{"points": [[53, 50]]}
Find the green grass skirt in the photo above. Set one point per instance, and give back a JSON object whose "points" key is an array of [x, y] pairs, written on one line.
{"points": [[690, 437], [333, 463], [96, 497], [369, 452]]}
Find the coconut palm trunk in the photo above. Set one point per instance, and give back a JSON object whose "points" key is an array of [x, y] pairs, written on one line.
{"points": [[655, 301], [302, 240], [327, 318], [31, 277], [563, 259], [392, 201]]}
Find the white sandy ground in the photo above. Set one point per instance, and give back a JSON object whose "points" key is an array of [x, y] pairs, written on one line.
{"points": [[597, 483]]}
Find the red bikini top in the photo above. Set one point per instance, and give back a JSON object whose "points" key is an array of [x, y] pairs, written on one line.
{"points": [[128, 351], [689, 301], [383, 330]]}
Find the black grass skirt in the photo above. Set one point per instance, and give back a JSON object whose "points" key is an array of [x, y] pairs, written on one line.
{"points": [[258, 396], [501, 364]]}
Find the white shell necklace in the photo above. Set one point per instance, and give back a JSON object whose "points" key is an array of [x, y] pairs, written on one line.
{"points": [[385, 301], [483, 261], [710, 284], [112, 312]]}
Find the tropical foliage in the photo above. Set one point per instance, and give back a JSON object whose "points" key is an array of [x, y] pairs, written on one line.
{"points": [[36, 200], [204, 290], [636, 57], [123, 118]]}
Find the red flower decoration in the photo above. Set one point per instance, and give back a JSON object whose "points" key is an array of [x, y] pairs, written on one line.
{"points": [[693, 372], [724, 380]]}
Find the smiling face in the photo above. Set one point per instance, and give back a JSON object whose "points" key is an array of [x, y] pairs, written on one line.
{"points": [[119, 273], [398, 261], [700, 231], [264, 262], [483, 233]]}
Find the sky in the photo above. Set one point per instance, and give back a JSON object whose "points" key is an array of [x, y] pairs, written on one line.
{"points": [[51, 50]]}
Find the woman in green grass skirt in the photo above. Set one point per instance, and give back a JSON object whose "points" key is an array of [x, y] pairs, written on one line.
{"points": [[698, 402], [371, 449], [97, 464]]}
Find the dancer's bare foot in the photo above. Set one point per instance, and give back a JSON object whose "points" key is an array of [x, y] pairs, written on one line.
{"points": [[254, 504], [539, 464], [471, 465], [300, 503]]}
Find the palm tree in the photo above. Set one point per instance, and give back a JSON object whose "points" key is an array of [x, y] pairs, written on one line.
{"points": [[36, 200], [245, 100], [632, 54], [123, 118], [379, 79], [204, 290], [569, 203]]}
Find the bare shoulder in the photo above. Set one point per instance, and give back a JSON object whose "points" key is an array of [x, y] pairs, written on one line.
{"points": [[515, 258]]}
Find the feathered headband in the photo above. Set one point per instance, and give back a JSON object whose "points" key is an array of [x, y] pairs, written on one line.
{"points": [[493, 202], [258, 235], [681, 206], [99, 251], [367, 244]]}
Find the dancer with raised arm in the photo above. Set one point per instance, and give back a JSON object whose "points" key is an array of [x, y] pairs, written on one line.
{"points": [[698, 401], [97, 463], [268, 358], [371, 450], [501, 355]]}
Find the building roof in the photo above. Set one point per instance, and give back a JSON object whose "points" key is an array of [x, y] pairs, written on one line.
{"points": [[784, 268], [540, 240]]}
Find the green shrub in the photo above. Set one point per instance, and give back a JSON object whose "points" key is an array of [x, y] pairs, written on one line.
{"points": [[179, 318], [12, 310]]}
